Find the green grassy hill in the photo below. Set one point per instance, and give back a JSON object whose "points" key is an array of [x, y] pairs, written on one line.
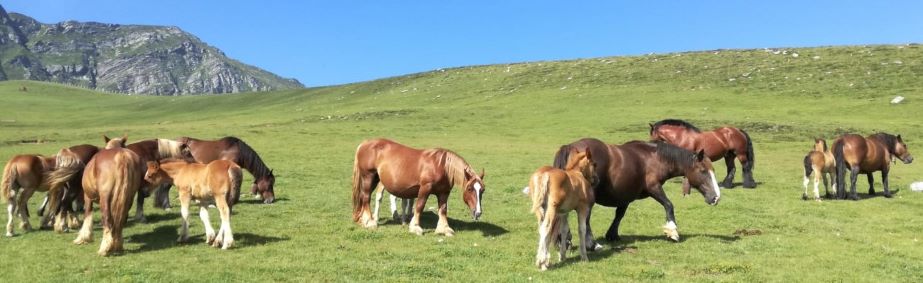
{"points": [[510, 119]]}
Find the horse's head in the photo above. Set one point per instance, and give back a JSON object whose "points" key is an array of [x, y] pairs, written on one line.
{"points": [[115, 142], [820, 145], [263, 186], [900, 150], [474, 191], [655, 134], [701, 175], [583, 162], [155, 175]]}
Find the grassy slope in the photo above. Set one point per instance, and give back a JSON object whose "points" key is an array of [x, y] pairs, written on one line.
{"points": [[509, 119]]}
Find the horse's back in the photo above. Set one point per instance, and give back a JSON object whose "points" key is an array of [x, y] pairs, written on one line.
{"points": [[28, 169], [116, 168]]}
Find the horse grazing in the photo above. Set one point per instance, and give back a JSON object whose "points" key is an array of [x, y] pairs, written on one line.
{"points": [[821, 161], [236, 150], [25, 174], [217, 182], [154, 150], [637, 170], [69, 179], [724, 142], [406, 173], [867, 155], [112, 177], [554, 193]]}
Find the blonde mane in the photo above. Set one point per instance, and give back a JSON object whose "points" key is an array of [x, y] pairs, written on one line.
{"points": [[169, 149], [454, 168]]}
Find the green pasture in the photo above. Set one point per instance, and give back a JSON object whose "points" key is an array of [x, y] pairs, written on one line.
{"points": [[509, 119]]}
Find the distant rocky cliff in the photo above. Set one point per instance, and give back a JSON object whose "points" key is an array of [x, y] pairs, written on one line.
{"points": [[124, 58]]}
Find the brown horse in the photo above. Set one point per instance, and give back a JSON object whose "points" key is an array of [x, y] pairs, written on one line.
{"points": [[217, 182], [68, 178], [25, 174], [112, 177], [867, 155], [556, 192], [406, 173], [637, 170], [154, 150], [236, 150], [724, 142], [821, 161]]}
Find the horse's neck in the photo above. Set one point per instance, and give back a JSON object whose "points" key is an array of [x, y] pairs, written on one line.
{"points": [[173, 170], [48, 162]]}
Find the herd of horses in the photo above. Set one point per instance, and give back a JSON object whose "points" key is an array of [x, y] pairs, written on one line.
{"points": [[588, 171], [208, 171], [584, 173]]}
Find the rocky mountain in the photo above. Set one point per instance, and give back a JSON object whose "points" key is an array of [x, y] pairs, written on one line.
{"points": [[132, 59]]}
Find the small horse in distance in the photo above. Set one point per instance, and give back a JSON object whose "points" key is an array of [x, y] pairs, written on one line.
{"points": [[867, 155], [554, 193], [820, 161], [112, 177], [637, 170], [724, 142], [236, 150], [408, 172], [25, 174], [216, 182]]}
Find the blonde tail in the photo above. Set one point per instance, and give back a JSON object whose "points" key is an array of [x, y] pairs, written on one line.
{"points": [[357, 190], [539, 192], [68, 164], [9, 176]]}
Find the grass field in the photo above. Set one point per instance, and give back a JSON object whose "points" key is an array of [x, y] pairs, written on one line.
{"points": [[509, 119]]}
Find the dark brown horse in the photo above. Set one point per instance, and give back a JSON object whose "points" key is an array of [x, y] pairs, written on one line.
{"points": [[637, 170], [155, 150], [234, 149], [407, 173], [724, 142], [112, 177], [866, 155]]}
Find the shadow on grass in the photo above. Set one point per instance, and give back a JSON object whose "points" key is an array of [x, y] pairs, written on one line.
{"points": [[861, 195], [429, 219], [740, 185], [250, 200], [153, 218], [165, 237], [630, 239]]}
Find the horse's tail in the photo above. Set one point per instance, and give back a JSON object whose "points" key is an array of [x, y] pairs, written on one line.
{"points": [[539, 192], [808, 166], [68, 165], [127, 177], [235, 176], [840, 161], [357, 188], [561, 157], [9, 176], [750, 155]]}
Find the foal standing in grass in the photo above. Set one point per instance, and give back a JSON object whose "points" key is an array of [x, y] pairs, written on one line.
{"points": [[556, 192], [821, 162], [217, 181]]}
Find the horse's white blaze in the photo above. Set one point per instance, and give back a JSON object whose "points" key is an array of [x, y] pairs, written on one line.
{"points": [[477, 193], [714, 183]]}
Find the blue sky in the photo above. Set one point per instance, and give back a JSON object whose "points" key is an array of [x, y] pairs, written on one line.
{"points": [[334, 42]]}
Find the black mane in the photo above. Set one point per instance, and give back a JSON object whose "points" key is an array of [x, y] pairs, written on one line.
{"points": [[675, 155], [889, 140], [675, 122]]}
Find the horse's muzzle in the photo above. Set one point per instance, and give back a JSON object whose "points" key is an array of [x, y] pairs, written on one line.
{"points": [[269, 200], [476, 215], [714, 201], [907, 159]]}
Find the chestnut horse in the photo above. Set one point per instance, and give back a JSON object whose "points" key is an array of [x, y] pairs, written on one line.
{"points": [[112, 177], [154, 150], [554, 193], [867, 155], [26, 174], [637, 170], [217, 182], [821, 162], [406, 173], [724, 142], [68, 178], [236, 150]]}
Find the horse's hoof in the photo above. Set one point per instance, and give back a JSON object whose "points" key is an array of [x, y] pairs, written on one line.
{"points": [[854, 197], [182, 239], [416, 230], [726, 185], [887, 195], [672, 234], [8, 234], [25, 226], [613, 238], [79, 241], [804, 196], [595, 247], [448, 232], [140, 220]]}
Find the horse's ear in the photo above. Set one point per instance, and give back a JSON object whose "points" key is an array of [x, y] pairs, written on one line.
{"points": [[124, 139], [482, 173], [700, 156], [588, 156], [106, 138], [899, 137]]}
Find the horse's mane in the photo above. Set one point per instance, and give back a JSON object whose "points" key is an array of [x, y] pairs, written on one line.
{"points": [[248, 158], [455, 167], [674, 155], [675, 122], [168, 149], [888, 139]]}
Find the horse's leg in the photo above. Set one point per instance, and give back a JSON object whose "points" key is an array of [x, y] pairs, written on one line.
{"points": [[582, 214], [86, 231], [225, 236], [670, 227], [24, 208], [378, 195], [853, 175], [209, 231], [826, 185], [871, 184], [184, 200], [407, 210], [884, 182], [747, 165], [368, 182], [44, 219], [818, 176], [732, 170], [418, 209], [562, 227], [591, 243], [546, 235], [613, 233], [442, 227], [105, 211], [395, 213], [162, 196], [804, 195], [139, 211]]}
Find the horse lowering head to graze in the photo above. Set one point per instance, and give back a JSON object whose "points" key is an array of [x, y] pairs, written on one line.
{"points": [[723, 142], [236, 150]]}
